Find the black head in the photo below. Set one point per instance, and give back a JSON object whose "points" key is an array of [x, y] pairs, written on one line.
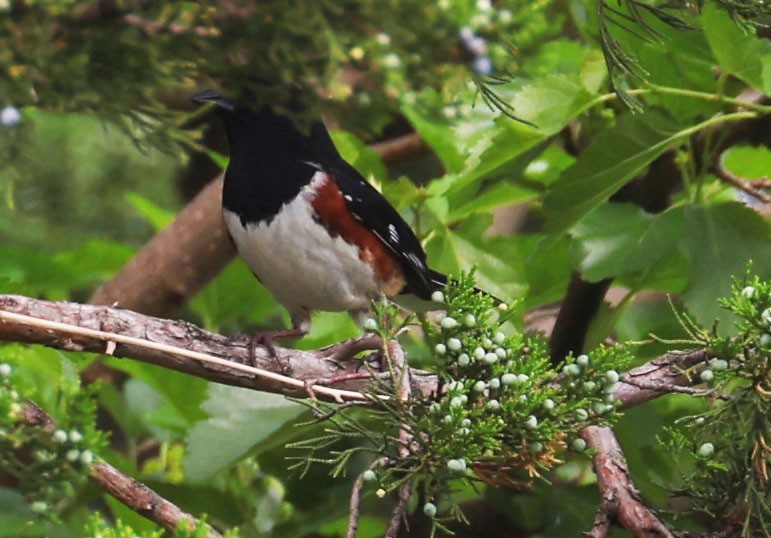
{"points": [[260, 130]]}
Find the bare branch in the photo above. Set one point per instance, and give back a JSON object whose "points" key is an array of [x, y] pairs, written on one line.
{"points": [[135, 495], [399, 363], [724, 174], [144, 338], [141, 499], [175, 264], [180, 346], [655, 378], [355, 503], [620, 501]]}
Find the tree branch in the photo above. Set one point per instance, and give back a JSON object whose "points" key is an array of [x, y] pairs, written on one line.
{"points": [[135, 495], [182, 346], [620, 501]]}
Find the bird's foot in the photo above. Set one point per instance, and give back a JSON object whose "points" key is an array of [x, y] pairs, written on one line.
{"points": [[266, 339]]}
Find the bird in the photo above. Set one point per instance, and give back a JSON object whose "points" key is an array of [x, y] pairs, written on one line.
{"points": [[308, 225]]}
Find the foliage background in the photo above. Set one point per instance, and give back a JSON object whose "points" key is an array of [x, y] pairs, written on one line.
{"points": [[106, 129]]}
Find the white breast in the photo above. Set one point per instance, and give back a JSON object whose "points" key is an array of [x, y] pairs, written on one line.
{"points": [[300, 263]]}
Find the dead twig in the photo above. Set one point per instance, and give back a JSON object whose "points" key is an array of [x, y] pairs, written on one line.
{"points": [[620, 502]]}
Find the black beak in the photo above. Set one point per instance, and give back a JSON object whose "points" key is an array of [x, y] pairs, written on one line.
{"points": [[210, 96]]}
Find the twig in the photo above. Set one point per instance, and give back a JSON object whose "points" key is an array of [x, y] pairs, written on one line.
{"points": [[355, 502], [398, 360], [620, 501], [397, 515], [666, 370], [141, 499], [132, 493], [722, 173], [347, 349]]}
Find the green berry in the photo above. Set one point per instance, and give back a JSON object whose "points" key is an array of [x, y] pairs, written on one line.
{"points": [[429, 509], [748, 292], [578, 444], [449, 323], [706, 450], [508, 379]]}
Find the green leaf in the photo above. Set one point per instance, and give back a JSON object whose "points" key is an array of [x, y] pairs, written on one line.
{"points": [[737, 52], [328, 328], [158, 217], [499, 194], [612, 158], [499, 269], [234, 299], [239, 419], [617, 239], [547, 269], [551, 102], [176, 399], [749, 162], [720, 240], [361, 156], [438, 134]]}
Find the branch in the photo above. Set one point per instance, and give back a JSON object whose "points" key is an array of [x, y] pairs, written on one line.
{"points": [[141, 499], [182, 346], [724, 174], [135, 495], [620, 502], [398, 360], [175, 264], [658, 377]]}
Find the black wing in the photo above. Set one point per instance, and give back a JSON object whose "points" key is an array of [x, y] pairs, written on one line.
{"points": [[370, 208]]}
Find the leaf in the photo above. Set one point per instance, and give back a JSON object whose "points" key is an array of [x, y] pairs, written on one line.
{"points": [[499, 194], [737, 52], [239, 419], [438, 134], [234, 298], [158, 217], [178, 395], [547, 269], [551, 102], [613, 157], [720, 240], [617, 239], [361, 156], [499, 269], [749, 162]]}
